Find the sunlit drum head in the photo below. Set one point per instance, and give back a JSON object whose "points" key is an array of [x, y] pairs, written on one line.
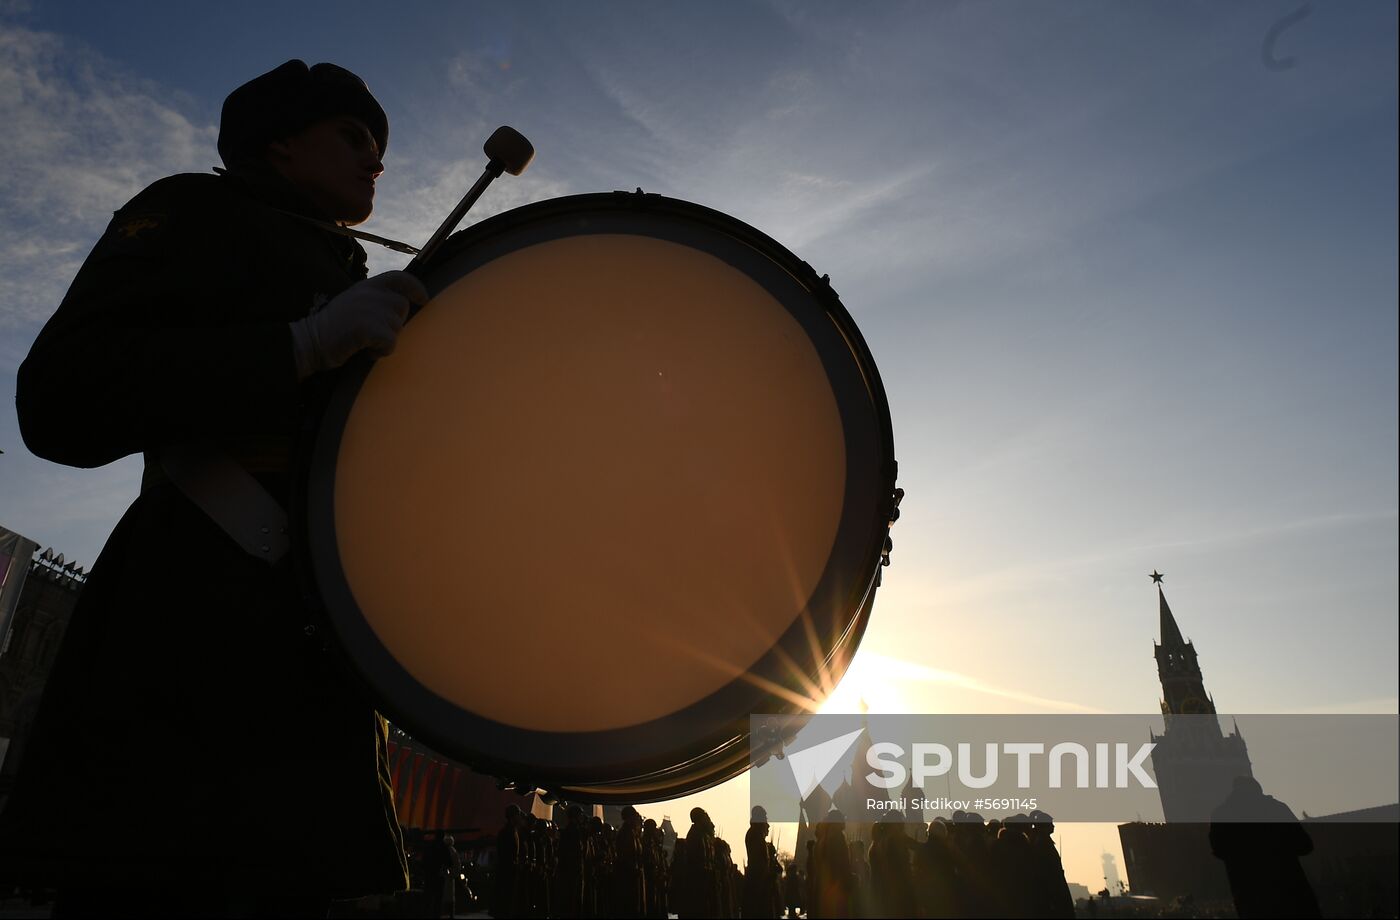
{"points": [[611, 474]]}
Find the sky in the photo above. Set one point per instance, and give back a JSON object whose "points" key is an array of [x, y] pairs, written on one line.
{"points": [[1128, 274]]}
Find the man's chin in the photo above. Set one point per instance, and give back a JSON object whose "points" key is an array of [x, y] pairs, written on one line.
{"points": [[357, 215]]}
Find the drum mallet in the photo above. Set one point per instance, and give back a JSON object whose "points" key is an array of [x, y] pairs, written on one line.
{"points": [[506, 150]]}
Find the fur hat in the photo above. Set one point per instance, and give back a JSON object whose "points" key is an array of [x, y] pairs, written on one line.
{"points": [[289, 98]]}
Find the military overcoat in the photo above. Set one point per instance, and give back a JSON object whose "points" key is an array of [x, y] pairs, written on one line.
{"points": [[194, 729]]}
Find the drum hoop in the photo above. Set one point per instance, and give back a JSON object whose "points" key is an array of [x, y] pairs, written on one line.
{"points": [[700, 730]]}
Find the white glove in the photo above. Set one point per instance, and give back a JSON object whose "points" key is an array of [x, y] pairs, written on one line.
{"points": [[364, 317]]}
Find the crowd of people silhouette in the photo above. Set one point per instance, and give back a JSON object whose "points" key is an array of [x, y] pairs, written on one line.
{"points": [[959, 867]]}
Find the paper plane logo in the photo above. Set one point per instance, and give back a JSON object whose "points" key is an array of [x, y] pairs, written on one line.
{"points": [[811, 765]]}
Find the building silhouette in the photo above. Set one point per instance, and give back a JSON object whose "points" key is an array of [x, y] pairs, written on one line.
{"points": [[1194, 761], [1352, 865], [1195, 765], [38, 591], [1112, 883]]}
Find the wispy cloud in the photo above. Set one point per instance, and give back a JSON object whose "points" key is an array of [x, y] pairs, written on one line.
{"points": [[898, 669], [81, 137], [417, 194]]}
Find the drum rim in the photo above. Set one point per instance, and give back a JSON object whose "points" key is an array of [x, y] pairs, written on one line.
{"points": [[691, 735]]}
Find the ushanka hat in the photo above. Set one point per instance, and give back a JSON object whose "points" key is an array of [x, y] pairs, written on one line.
{"points": [[289, 98]]}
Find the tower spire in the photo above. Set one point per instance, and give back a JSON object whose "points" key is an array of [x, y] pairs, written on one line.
{"points": [[1171, 634], [1182, 688]]}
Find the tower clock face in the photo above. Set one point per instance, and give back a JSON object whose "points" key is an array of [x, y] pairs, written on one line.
{"points": [[1194, 706]]}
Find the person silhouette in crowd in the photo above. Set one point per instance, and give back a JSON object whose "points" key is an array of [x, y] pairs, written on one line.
{"points": [[726, 873], [549, 861], [1260, 840], [758, 869], [973, 890], [937, 873], [696, 879], [629, 871], [574, 855], [835, 882], [775, 881], [891, 873], [1046, 872], [793, 883], [510, 857], [860, 879], [441, 866], [597, 883], [1010, 864], [810, 877], [656, 869]]}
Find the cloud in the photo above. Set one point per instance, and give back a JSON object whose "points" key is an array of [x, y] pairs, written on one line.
{"points": [[418, 194], [902, 670], [924, 141], [81, 137], [483, 74]]}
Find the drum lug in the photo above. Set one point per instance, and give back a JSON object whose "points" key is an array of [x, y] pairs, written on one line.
{"points": [[767, 743], [774, 735], [889, 542]]}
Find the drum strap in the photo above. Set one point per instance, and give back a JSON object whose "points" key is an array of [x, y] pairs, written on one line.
{"points": [[230, 496]]}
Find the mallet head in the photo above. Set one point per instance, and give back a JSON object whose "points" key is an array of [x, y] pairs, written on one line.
{"points": [[509, 147]]}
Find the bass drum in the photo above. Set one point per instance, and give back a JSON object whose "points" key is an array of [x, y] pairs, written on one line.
{"points": [[627, 479]]}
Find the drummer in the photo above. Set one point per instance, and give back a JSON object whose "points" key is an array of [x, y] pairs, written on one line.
{"points": [[197, 751]]}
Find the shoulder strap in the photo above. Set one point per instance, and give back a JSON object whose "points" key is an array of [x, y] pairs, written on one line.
{"points": [[231, 498]]}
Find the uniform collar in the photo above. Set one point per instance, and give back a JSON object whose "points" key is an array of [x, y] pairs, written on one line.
{"points": [[264, 184], [267, 185]]}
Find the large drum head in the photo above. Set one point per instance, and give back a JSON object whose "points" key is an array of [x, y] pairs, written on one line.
{"points": [[624, 481]]}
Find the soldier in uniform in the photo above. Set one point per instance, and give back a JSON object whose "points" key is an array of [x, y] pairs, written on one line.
{"points": [[696, 881], [655, 869], [891, 891], [510, 864], [191, 323], [726, 880], [599, 865], [1260, 841], [549, 841], [441, 866], [574, 857], [834, 889], [812, 878], [530, 880], [629, 898], [1048, 872], [936, 872], [759, 870]]}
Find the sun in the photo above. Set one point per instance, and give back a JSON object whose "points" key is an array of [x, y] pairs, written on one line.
{"points": [[864, 689]]}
